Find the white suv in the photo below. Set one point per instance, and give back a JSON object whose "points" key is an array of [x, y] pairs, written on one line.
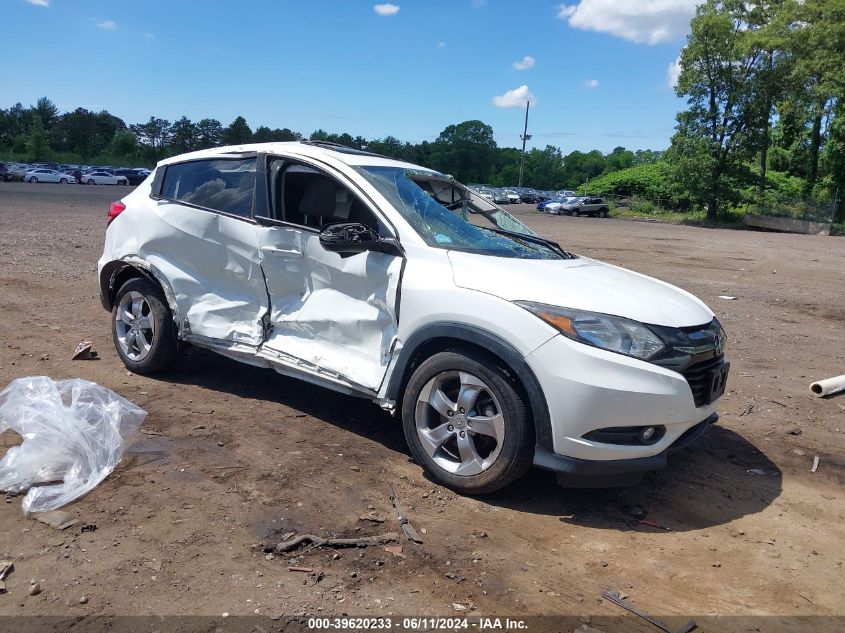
{"points": [[391, 281]]}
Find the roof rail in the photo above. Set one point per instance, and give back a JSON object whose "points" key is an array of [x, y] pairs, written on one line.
{"points": [[344, 149]]}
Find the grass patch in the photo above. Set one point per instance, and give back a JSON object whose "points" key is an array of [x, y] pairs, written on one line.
{"points": [[731, 218]]}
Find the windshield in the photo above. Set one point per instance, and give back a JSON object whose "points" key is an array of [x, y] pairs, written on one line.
{"points": [[449, 215]]}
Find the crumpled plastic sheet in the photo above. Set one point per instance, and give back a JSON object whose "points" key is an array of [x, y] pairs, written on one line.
{"points": [[74, 434]]}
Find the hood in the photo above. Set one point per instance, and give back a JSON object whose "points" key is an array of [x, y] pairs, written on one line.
{"points": [[581, 284]]}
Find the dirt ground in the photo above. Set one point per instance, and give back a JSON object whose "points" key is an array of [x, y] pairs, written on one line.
{"points": [[231, 457]]}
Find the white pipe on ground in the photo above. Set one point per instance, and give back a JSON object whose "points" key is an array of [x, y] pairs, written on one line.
{"points": [[828, 386]]}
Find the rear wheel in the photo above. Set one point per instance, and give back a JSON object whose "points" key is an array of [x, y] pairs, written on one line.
{"points": [[33, 179], [91, 181], [467, 423], [63, 181], [144, 333], [122, 182], [574, 213], [603, 213]]}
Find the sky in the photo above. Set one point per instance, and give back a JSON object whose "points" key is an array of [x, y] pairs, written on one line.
{"points": [[598, 73]]}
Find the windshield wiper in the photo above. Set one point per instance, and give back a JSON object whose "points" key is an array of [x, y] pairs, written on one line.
{"points": [[533, 239]]}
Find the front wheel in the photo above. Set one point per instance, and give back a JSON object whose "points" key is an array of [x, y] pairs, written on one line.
{"points": [[91, 181], [467, 423], [574, 213], [122, 182], [33, 179], [603, 213], [143, 329], [63, 181]]}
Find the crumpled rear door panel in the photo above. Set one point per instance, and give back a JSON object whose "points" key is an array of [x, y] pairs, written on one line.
{"points": [[212, 264]]}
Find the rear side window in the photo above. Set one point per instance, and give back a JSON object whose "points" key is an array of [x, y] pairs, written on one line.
{"points": [[226, 185]]}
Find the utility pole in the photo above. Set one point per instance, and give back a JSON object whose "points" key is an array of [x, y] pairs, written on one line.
{"points": [[525, 137]]}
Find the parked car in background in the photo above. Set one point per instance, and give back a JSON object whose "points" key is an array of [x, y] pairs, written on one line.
{"points": [[513, 196], [49, 175], [5, 173], [554, 207], [18, 172], [495, 347], [585, 206], [104, 178], [133, 177], [500, 197]]}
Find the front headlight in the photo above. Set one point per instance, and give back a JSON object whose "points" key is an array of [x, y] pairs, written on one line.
{"points": [[604, 331]]}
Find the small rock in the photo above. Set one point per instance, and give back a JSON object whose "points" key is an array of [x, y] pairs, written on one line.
{"points": [[798, 451], [457, 606], [638, 512], [717, 564], [603, 563], [34, 588], [372, 516], [335, 556], [83, 600], [795, 431], [479, 534], [270, 556], [354, 574]]}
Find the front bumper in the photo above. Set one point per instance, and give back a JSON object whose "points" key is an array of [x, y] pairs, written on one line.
{"points": [[581, 473], [588, 389]]}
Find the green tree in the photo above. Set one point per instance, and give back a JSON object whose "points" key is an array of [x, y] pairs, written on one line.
{"points": [[37, 147], [184, 136], [209, 133], [238, 132], [47, 111], [466, 150], [719, 76]]}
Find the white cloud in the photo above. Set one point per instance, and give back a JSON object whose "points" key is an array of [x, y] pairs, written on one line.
{"points": [[673, 72], [386, 9], [591, 83], [39, 3], [441, 44], [477, 4], [515, 98], [149, 36], [109, 25], [640, 21], [565, 11], [525, 63]]}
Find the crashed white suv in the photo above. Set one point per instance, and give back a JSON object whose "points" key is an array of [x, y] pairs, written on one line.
{"points": [[391, 281]]}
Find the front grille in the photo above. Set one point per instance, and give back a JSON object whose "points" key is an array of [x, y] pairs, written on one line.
{"points": [[699, 377]]}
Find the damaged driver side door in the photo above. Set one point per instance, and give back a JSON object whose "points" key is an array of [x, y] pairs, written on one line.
{"points": [[331, 315]]}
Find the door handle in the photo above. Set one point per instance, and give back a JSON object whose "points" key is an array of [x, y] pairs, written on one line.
{"points": [[290, 253]]}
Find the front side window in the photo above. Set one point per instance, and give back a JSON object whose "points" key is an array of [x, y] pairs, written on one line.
{"points": [[226, 185], [449, 215]]}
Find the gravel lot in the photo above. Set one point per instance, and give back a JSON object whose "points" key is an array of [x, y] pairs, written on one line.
{"points": [[231, 457]]}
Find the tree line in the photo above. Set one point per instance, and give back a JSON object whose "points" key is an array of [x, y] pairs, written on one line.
{"points": [[467, 150], [764, 83], [764, 123]]}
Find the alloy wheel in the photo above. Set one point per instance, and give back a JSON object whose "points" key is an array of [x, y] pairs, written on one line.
{"points": [[134, 326], [460, 423]]}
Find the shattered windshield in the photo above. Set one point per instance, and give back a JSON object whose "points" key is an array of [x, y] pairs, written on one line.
{"points": [[449, 215]]}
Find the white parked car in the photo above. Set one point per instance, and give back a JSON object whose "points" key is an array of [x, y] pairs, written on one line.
{"points": [[495, 347], [554, 207], [48, 175], [513, 196], [103, 178]]}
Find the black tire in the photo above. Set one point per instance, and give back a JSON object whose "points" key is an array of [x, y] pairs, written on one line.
{"points": [[33, 179], [603, 213], [517, 450], [164, 347], [574, 213], [122, 182], [91, 181], [63, 181]]}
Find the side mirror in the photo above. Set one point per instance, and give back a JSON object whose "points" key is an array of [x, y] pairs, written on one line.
{"points": [[349, 238]]}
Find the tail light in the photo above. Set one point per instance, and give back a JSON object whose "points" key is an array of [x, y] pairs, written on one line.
{"points": [[115, 210]]}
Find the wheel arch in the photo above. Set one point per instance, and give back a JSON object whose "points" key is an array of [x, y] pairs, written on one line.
{"points": [[116, 273], [437, 337]]}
